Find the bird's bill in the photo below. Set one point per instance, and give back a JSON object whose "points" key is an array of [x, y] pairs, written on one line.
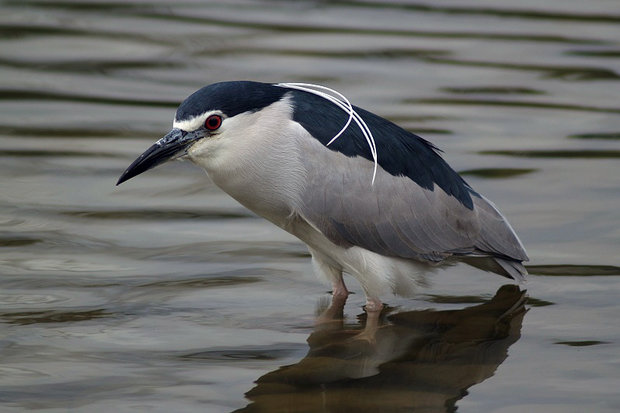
{"points": [[171, 146]]}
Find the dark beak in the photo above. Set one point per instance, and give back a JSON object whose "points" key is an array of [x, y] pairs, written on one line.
{"points": [[171, 146]]}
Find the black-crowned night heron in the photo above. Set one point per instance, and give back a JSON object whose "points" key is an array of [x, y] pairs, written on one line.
{"points": [[368, 198]]}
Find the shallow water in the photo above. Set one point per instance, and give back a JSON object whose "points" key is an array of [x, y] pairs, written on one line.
{"points": [[166, 295]]}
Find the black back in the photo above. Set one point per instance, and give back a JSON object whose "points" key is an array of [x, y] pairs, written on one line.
{"points": [[399, 152]]}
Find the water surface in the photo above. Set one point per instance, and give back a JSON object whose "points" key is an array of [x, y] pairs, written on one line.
{"points": [[166, 295]]}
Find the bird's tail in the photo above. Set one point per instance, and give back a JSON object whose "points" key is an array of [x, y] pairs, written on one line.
{"points": [[505, 267], [514, 269]]}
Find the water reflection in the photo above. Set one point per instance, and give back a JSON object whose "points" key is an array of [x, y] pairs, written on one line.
{"points": [[416, 360], [51, 316]]}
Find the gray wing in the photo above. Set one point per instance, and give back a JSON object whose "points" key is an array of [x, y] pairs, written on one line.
{"points": [[397, 217]]}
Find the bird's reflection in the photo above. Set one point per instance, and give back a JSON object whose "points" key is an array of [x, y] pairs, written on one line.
{"points": [[421, 361]]}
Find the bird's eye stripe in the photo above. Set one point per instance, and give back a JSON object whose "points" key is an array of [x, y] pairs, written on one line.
{"points": [[213, 122]]}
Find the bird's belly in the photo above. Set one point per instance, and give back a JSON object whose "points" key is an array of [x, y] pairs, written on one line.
{"points": [[376, 273]]}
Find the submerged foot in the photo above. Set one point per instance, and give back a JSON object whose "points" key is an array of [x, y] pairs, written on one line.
{"points": [[335, 312], [373, 305], [373, 309], [340, 290]]}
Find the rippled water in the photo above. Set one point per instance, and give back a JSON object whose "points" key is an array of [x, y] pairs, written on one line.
{"points": [[165, 295]]}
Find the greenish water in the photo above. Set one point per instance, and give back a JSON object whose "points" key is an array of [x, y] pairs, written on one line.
{"points": [[165, 295]]}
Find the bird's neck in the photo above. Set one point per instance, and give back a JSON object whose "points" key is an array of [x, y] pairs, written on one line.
{"points": [[264, 174]]}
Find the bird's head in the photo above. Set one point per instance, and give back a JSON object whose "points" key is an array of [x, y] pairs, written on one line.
{"points": [[221, 111], [228, 122]]}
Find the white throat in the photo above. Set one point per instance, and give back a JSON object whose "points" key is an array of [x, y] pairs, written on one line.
{"points": [[256, 160]]}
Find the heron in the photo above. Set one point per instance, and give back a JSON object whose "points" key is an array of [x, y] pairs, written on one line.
{"points": [[369, 198]]}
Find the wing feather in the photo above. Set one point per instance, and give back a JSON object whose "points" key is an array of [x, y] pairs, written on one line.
{"points": [[397, 217], [417, 208]]}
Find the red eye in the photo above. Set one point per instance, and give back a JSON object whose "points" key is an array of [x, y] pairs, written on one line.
{"points": [[213, 122]]}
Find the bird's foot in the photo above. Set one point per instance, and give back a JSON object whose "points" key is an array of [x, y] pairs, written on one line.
{"points": [[335, 311], [368, 337], [373, 305], [333, 315], [339, 290], [373, 309]]}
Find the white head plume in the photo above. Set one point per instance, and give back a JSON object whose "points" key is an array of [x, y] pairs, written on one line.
{"points": [[343, 103]]}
